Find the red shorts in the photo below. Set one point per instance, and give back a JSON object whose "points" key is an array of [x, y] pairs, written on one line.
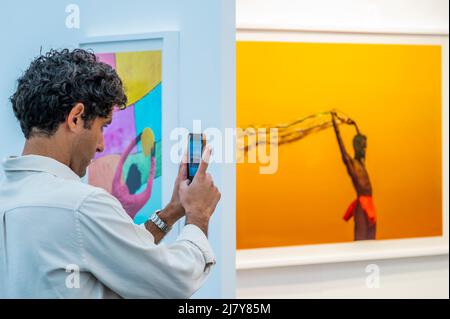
{"points": [[367, 205]]}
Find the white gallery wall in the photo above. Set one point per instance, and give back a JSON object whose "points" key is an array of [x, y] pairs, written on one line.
{"points": [[411, 16], [406, 277]]}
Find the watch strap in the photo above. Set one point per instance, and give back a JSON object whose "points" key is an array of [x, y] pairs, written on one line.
{"points": [[159, 222]]}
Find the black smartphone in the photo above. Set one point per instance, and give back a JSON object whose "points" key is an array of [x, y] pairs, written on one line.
{"points": [[196, 145]]}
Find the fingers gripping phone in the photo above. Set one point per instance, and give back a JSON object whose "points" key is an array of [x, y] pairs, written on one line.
{"points": [[196, 145]]}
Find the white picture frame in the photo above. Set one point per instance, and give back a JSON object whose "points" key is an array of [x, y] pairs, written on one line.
{"points": [[362, 250]]}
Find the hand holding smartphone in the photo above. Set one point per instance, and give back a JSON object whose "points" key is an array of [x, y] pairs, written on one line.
{"points": [[200, 197]]}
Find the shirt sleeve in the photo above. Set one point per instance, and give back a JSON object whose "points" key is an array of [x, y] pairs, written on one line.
{"points": [[124, 257]]}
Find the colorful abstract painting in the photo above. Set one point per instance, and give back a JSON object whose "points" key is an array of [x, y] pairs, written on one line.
{"points": [[130, 165]]}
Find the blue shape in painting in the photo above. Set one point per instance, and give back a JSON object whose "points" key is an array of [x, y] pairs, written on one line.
{"points": [[148, 113], [152, 205]]}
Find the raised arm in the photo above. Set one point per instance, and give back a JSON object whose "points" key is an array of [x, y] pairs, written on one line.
{"points": [[339, 138]]}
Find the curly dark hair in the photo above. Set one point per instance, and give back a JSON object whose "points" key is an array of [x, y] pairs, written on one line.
{"points": [[52, 85]]}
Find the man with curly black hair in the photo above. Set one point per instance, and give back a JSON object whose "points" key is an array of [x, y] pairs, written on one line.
{"points": [[60, 237], [69, 87]]}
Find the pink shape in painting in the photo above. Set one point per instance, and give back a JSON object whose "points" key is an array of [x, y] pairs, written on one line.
{"points": [[132, 203], [101, 171], [121, 130], [108, 58]]}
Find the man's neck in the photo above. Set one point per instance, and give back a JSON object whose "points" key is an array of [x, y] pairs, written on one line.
{"points": [[48, 147]]}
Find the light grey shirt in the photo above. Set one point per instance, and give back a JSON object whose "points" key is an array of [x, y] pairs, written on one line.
{"points": [[62, 238]]}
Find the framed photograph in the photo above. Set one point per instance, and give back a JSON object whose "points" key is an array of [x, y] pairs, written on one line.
{"points": [[391, 90], [135, 165]]}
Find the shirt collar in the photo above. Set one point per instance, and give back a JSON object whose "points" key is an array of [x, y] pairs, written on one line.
{"points": [[37, 163]]}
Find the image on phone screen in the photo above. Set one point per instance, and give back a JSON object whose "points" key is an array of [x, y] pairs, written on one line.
{"points": [[196, 144]]}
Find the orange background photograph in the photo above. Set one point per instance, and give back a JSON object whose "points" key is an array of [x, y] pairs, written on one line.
{"points": [[393, 92]]}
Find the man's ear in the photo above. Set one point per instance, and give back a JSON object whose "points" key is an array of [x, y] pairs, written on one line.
{"points": [[74, 120]]}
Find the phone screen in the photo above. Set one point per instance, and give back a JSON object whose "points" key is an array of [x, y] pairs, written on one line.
{"points": [[196, 144]]}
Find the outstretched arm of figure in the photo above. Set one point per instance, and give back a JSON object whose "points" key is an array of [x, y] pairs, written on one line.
{"points": [[339, 138]]}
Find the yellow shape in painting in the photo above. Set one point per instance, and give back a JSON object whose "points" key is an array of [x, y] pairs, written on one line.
{"points": [[147, 141], [140, 72]]}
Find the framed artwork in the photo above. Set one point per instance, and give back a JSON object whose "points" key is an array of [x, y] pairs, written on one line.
{"points": [[132, 166], [392, 90]]}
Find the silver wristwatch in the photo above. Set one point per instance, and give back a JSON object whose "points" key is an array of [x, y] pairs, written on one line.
{"points": [[159, 223]]}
